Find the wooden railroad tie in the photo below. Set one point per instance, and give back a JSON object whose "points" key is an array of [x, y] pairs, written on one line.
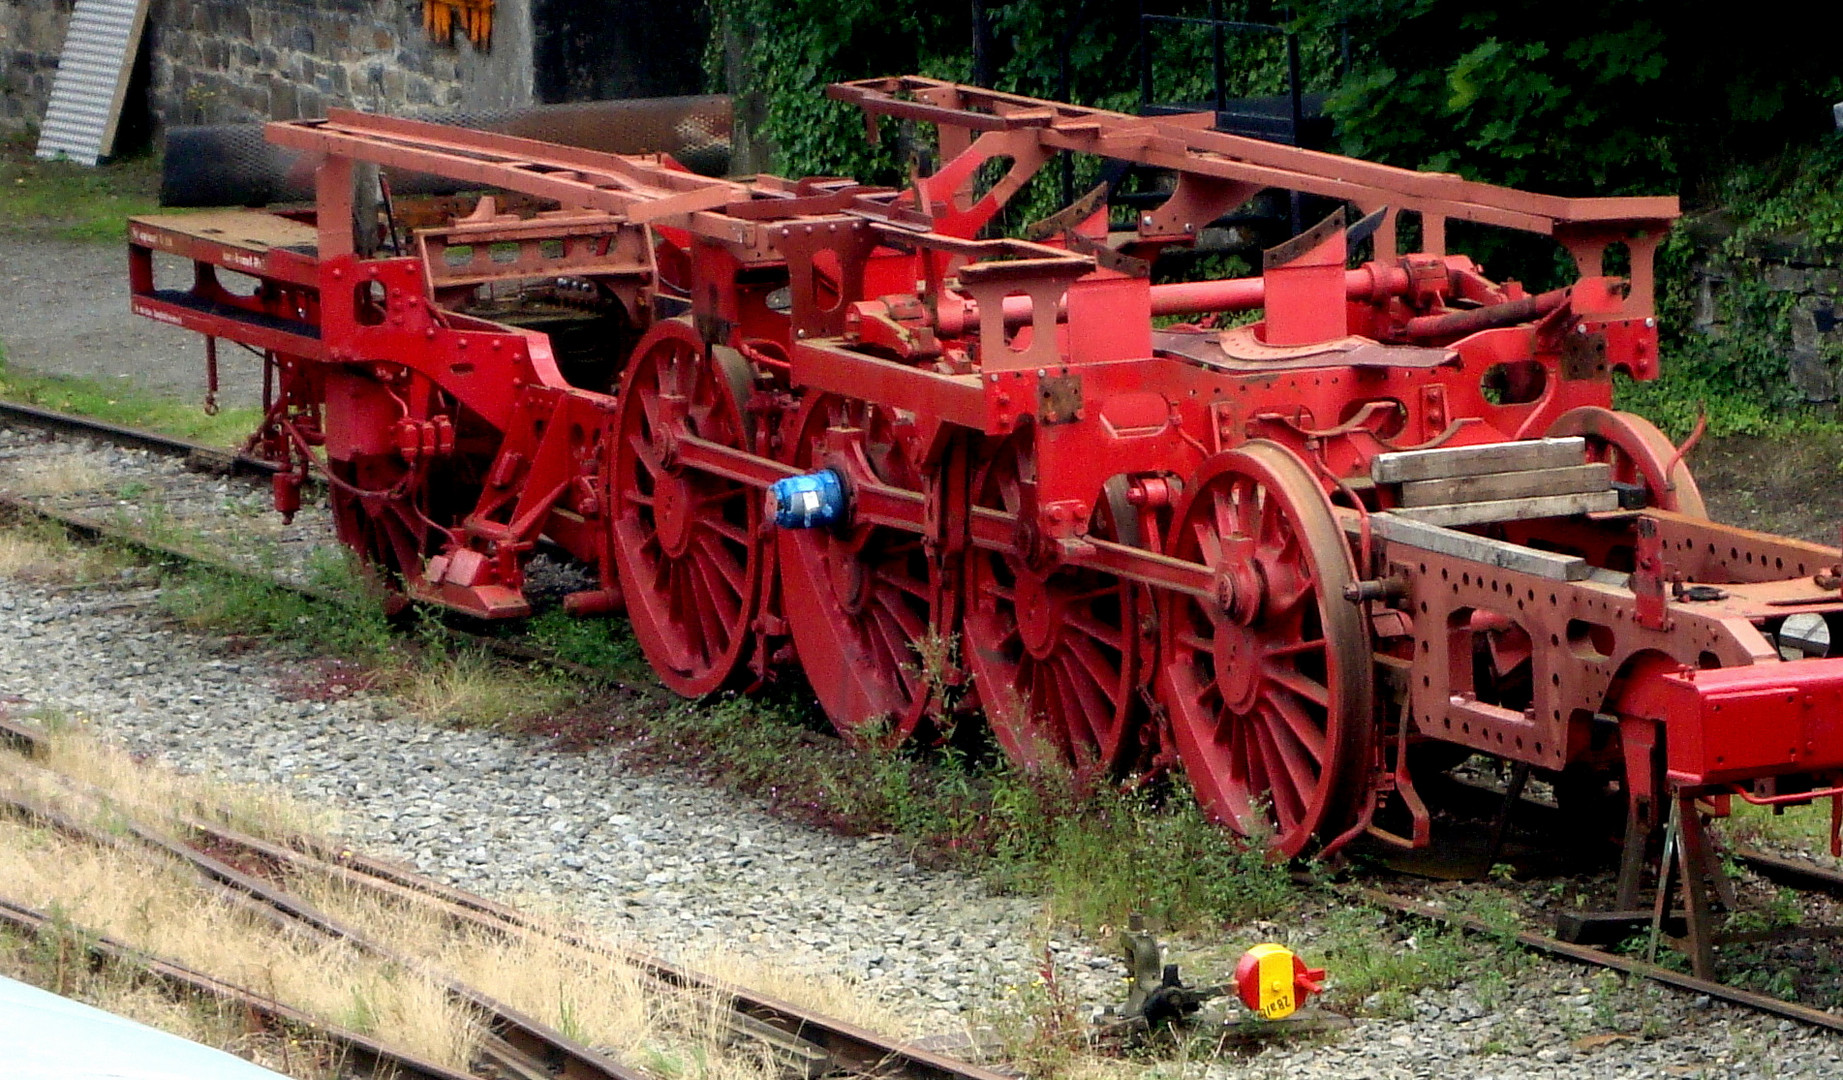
{"points": [[1515, 481]]}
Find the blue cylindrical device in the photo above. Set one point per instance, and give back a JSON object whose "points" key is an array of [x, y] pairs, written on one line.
{"points": [[813, 501]]}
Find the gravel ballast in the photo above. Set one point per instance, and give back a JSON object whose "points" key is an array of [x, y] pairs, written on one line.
{"points": [[664, 859]]}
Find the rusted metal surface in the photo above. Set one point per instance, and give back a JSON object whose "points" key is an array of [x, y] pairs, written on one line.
{"points": [[1586, 954]]}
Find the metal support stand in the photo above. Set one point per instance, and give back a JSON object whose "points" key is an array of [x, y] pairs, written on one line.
{"points": [[1519, 776]]}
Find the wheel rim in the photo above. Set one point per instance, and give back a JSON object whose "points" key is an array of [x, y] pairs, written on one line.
{"points": [[384, 530], [859, 602], [1054, 653], [1639, 454], [1270, 700], [685, 541]]}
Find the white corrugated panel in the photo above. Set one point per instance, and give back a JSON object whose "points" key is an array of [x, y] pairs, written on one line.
{"points": [[92, 79], [47, 1037]]}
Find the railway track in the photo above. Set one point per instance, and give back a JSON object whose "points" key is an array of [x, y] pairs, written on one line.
{"points": [[206, 505], [199, 468], [261, 875]]}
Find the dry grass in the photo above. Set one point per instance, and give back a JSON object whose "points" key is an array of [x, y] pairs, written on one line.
{"points": [[161, 908], [123, 991], [593, 996], [42, 553], [597, 997], [152, 793], [472, 689]]}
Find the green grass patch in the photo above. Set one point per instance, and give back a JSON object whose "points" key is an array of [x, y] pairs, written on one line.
{"points": [[1676, 401], [130, 408], [1375, 955], [73, 201], [229, 603], [605, 644]]}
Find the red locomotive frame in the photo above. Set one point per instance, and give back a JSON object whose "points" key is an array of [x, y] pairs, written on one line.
{"points": [[1396, 512]]}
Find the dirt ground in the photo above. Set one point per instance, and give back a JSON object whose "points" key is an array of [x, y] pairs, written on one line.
{"points": [[64, 309], [1793, 487]]}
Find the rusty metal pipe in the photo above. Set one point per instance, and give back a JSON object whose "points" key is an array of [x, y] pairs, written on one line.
{"points": [[1461, 323], [1188, 298]]}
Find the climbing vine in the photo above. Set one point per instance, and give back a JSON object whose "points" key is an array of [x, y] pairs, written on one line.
{"points": [[1624, 97]]}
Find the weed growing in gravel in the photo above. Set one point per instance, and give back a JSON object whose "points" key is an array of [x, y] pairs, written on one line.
{"points": [[237, 604], [1392, 960], [468, 687], [39, 551], [1111, 853], [605, 644]]}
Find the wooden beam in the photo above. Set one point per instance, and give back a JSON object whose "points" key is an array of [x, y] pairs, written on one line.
{"points": [[1480, 549], [1474, 513], [1565, 480], [1445, 461]]}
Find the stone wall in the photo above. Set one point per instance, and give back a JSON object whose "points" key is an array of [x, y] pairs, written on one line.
{"points": [[229, 61], [226, 61], [1806, 280], [31, 36]]}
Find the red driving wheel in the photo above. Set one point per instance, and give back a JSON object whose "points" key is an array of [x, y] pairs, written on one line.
{"points": [[1055, 650], [1268, 685], [1639, 454], [685, 541], [859, 600]]}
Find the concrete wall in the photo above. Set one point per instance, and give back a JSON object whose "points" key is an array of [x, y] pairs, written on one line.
{"points": [[31, 36]]}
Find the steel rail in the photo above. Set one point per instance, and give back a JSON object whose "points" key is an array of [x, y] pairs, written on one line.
{"points": [[246, 467], [811, 1041], [65, 423], [1587, 954], [515, 1043], [375, 1058], [849, 1047]]}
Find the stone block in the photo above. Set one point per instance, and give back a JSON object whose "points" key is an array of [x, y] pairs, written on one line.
{"points": [[1814, 323], [238, 23], [284, 104], [1783, 278]]}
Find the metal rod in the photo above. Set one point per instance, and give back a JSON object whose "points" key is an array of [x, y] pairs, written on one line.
{"points": [[1215, 12], [1587, 954]]}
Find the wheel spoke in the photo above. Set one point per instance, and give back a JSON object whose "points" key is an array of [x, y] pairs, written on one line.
{"points": [[897, 579], [1110, 636], [1293, 682], [1284, 797], [725, 528], [1301, 728], [695, 584]]}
